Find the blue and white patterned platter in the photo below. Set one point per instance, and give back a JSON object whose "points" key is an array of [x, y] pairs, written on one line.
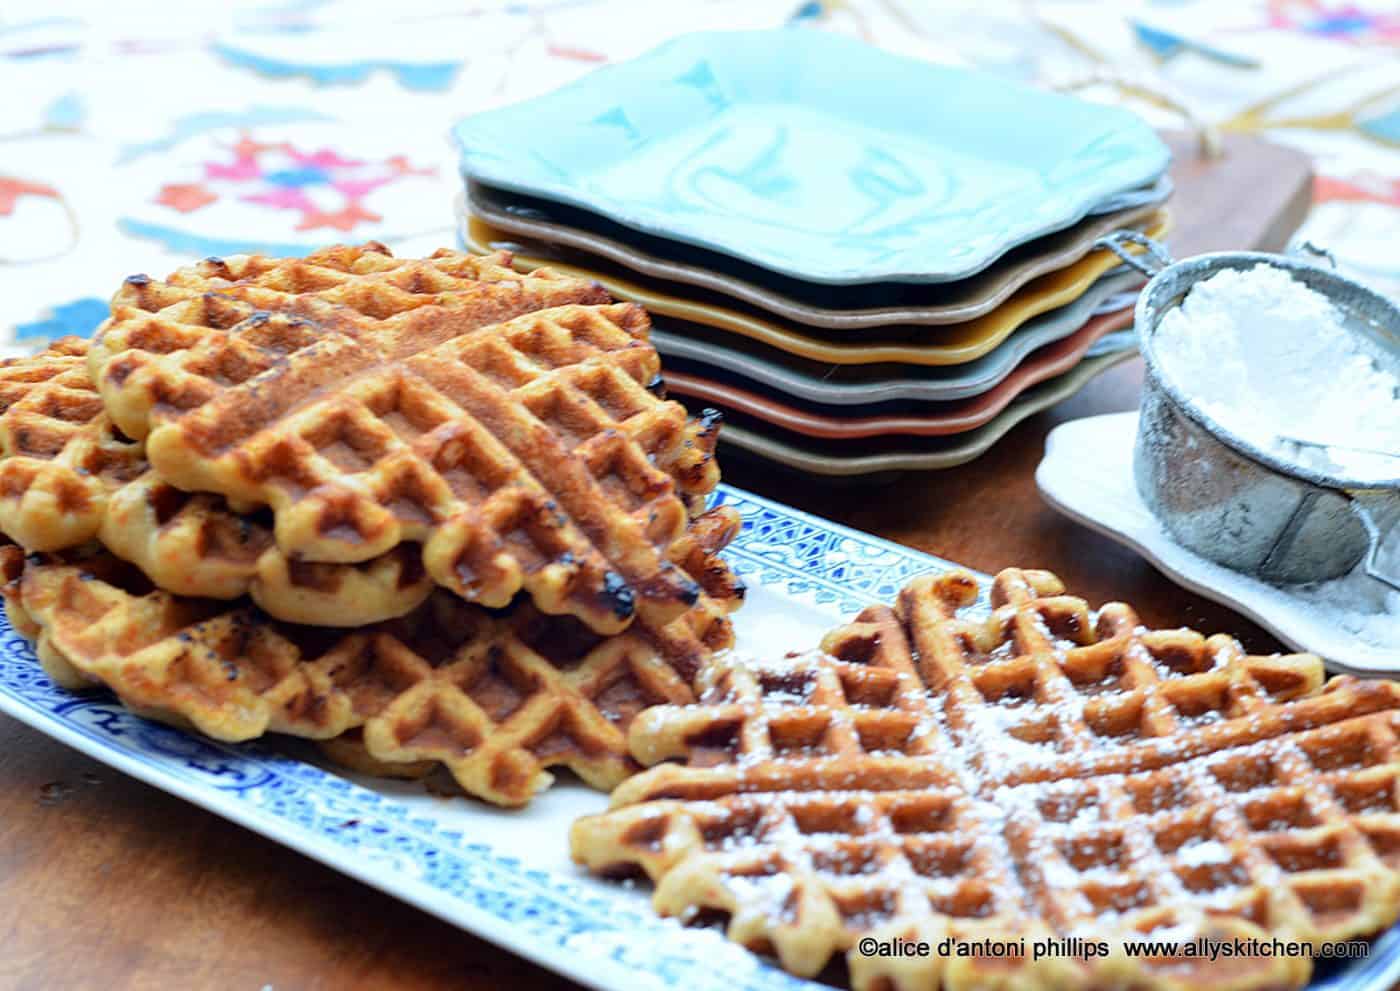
{"points": [[504, 875], [816, 156]]}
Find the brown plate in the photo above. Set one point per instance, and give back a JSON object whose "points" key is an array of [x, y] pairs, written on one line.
{"points": [[873, 456], [860, 385], [951, 345]]}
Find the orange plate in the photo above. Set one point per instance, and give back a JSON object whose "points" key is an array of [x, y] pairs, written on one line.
{"points": [[950, 345], [952, 418]]}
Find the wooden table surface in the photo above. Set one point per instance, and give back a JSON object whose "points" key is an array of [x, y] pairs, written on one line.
{"points": [[108, 883]]}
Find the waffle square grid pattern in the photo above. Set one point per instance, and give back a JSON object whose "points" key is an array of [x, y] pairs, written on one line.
{"points": [[510, 424], [1036, 772], [494, 698]]}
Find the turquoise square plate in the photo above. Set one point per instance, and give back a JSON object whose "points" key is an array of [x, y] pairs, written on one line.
{"points": [[816, 156]]}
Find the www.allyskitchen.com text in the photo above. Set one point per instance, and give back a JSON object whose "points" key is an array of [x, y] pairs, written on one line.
{"points": [[1088, 949]]}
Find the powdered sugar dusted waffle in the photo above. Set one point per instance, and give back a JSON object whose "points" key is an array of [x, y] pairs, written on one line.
{"points": [[1037, 773]]}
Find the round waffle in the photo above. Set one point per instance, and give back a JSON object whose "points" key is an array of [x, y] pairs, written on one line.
{"points": [[68, 475], [1035, 772]]}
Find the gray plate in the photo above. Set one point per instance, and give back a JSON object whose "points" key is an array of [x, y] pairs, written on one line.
{"points": [[936, 305], [891, 169], [845, 385], [1231, 500], [932, 454]]}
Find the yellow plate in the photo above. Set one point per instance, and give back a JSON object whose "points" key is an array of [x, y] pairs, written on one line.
{"points": [[950, 345]]}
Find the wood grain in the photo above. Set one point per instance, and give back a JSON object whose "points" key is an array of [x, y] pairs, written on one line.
{"points": [[107, 883]]}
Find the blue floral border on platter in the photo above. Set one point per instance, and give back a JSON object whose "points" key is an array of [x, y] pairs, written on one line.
{"points": [[569, 928]]}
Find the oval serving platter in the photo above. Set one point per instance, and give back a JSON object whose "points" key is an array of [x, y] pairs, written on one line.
{"points": [[506, 875]]}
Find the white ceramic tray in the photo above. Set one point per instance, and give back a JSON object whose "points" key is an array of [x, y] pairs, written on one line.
{"points": [[1087, 474]]}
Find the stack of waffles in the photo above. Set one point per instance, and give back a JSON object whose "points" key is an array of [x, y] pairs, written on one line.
{"points": [[431, 511], [1035, 777], [861, 284]]}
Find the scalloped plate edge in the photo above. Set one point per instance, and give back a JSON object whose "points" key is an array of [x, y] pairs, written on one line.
{"points": [[1068, 484]]}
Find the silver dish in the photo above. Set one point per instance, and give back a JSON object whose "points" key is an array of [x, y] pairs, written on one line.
{"points": [[1224, 497]]}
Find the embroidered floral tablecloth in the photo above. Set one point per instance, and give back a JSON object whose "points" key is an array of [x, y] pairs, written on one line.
{"points": [[139, 136]]}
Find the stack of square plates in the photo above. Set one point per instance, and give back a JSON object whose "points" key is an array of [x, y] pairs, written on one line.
{"points": [[867, 262]]}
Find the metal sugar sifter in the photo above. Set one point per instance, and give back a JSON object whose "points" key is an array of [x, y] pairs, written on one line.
{"points": [[1247, 508]]}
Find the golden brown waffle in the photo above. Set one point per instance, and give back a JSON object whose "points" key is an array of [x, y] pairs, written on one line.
{"points": [[1036, 773], [497, 699], [69, 476], [371, 401]]}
